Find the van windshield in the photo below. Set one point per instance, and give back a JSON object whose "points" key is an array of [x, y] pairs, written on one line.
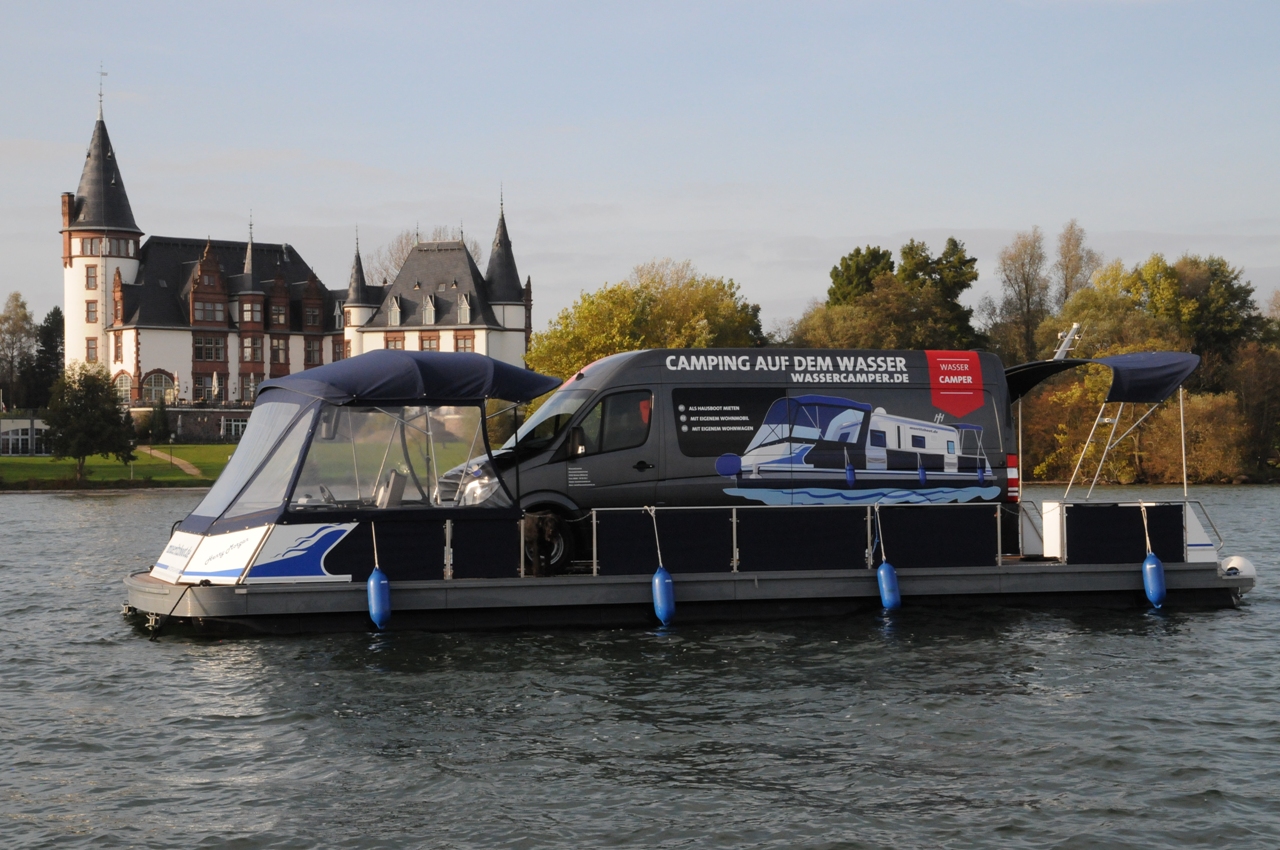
{"points": [[549, 420]]}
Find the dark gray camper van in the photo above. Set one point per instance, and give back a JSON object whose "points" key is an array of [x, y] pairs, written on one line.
{"points": [[697, 427]]}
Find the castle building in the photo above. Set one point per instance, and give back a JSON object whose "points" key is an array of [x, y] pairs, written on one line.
{"points": [[204, 321]]}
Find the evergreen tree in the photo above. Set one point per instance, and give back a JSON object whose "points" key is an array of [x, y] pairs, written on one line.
{"points": [[43, 368], [160, 422], [853, 275]]}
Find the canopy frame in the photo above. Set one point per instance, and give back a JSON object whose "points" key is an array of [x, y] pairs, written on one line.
{"points": [[1136, 379]]}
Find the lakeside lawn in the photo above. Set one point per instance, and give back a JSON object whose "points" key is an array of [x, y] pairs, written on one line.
{"points": [[39, 472]]}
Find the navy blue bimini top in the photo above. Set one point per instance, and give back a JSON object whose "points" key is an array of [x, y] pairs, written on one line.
{"points": [[415, 377], [1146, 377]]}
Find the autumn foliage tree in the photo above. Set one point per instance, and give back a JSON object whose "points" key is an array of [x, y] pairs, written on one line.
{"points": [[663, 304]]}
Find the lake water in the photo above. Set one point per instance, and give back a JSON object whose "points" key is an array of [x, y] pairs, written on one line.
{"points": [[969, 728]]}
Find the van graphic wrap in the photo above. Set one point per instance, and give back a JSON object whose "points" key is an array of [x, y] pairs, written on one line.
{"points": [[955, 381], [821, 449], [785, 426]]}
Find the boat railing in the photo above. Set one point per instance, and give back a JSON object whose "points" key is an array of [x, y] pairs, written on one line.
{"points": [[1203, 513]]}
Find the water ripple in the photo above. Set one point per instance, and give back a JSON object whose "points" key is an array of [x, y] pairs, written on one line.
{"points": [[951, 729]]}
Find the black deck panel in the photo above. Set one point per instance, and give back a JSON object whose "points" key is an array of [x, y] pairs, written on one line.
{"points": [[1113, 534], [802, 539]]}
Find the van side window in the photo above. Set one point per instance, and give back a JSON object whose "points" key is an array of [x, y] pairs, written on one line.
{"points": [[619, 421], [878, 440], [917, 441]]}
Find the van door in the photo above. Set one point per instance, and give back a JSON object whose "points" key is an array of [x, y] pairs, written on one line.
{"points": [[617, 460]]}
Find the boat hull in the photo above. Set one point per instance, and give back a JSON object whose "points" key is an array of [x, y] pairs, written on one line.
{"points": [[605, 601]]}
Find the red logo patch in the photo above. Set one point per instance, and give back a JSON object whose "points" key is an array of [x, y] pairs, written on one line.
{"points": [[955, 381]]}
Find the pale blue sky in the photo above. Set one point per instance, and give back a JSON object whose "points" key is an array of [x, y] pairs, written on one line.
{"points": [[761, 141]]}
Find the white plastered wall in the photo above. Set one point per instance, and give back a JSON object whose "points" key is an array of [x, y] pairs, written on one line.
{"points": [[297, 353], [74, 296], [507, 346], [170, 351]]}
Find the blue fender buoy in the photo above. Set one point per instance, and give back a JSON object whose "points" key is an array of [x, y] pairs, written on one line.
{"points": [[1153, 579], [924, 479], [850, 477], [982, 476], [887, 577], [379, 598], [664, 596]]}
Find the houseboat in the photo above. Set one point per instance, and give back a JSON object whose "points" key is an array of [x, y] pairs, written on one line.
{"points": [[726, 484]]}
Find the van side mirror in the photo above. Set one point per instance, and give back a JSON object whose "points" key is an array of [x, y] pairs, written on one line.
{"points": [[577, 441]]}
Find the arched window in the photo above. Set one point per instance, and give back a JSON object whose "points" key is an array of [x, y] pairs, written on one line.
{"points": [[124, 388], [156, 387]]}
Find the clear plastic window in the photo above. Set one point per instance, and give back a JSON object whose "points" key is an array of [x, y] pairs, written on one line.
{"points": [[269, 487], [268, 421], [372, 458]]}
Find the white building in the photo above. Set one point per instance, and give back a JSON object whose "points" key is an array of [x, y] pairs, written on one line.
{"points": [[202, 320]]}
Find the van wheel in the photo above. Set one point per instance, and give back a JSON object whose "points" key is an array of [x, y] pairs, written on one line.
{"points": [[549, 543]]}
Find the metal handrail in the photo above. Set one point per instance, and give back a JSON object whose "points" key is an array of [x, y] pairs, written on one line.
{"points": [[1205, 513]]}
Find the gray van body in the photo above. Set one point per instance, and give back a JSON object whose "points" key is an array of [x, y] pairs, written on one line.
{"points": [[776, 426]]}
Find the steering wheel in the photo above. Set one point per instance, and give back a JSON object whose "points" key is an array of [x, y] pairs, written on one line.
{"points": [[327, 495]]}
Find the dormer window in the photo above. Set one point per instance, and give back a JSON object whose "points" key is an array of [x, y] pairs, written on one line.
{"points": [[464, 310], [394, 314], [338, 316], [428, 310]]}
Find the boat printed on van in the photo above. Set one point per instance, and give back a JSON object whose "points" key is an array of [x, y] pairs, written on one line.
{"points": [[819, 448]]}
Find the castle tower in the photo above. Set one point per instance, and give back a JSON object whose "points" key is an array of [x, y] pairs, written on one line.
{"points": [[359, 307], [100, 242], [511, 302]]}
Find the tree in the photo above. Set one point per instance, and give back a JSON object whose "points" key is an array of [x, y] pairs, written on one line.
{"points": [[951, 273], [1110, 322], [1255, 379], [928, 286], [17, 341], [894, 314], [41, 369], [853, 275], [85, 419], [1219, 314], [1201, 299], [1024, 302], [383, 263], [1075, 264], [159, 424], [664, 304]]}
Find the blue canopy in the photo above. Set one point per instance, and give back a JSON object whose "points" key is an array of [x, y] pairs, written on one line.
{"points": [[415, 377], [1146, 377]]}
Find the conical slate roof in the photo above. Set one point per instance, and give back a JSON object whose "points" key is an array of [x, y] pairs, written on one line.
{"points": [[101, 202], [502, 278], [358, 291]]}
